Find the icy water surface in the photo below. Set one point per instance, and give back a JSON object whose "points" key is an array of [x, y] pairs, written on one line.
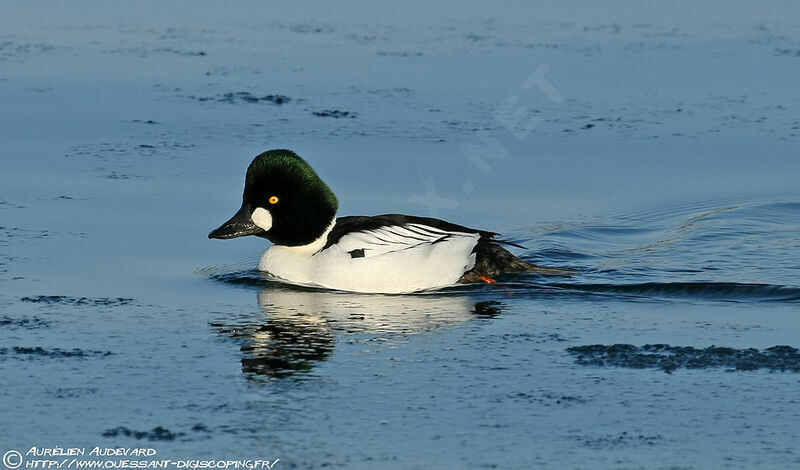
{"points": [[653, 151]]}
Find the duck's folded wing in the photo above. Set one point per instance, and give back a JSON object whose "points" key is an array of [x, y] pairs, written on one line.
{"points": [[369, 237]]}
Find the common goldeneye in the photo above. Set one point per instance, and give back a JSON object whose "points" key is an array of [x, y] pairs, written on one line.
{"points": [[286, 202]]}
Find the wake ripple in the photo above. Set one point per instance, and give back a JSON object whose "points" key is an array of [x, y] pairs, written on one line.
{"points": [[721, 291]]}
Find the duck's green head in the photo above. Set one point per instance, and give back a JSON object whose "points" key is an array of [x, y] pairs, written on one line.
{"points": [[284, 201]]}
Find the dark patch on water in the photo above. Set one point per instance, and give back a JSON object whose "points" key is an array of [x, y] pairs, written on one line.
{"points": [[149, 121], [146, 52], [623, 439], [507, 339], [399, 54], [107, 151], [670, 358], [115, 175], [706, 115], [365, 38], [475, 37], [200, 428], [787, 52], [169, 50], [389, 91], [465, 126], [7, 205], [15, 50], [15, 232], [335, 113], [244, 97], [312, 29], [30, 323], [156, 434], [250, 98], [73, 392], [56, 353], [542, 45], [547, 399], [78, 301]]}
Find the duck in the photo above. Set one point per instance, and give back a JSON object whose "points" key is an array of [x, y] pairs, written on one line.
{"points": [[286, 202]]}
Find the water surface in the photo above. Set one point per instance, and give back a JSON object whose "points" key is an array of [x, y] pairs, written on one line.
{"points": [[653, 151]]}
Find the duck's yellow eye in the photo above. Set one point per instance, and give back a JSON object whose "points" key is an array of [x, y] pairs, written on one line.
{"points": [[273, 199]]}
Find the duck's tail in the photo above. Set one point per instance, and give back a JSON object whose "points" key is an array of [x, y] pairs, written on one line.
{"points": [[492, 260]]}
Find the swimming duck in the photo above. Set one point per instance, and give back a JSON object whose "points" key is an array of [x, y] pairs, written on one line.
{"points": [[286, 202]]}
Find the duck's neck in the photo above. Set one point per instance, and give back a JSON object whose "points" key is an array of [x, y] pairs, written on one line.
{"points": [[314, 246]]}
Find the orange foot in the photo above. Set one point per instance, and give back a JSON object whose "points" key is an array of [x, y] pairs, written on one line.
{"points": [[487, 279]]}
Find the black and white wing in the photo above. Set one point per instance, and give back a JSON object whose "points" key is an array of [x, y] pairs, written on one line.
{"points": [[369, 237]]}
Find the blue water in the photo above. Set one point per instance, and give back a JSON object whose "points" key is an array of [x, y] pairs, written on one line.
{"points": [[654, 151]]}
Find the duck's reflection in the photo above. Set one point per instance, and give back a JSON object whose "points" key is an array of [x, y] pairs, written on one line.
{"points": [[299, 327]]}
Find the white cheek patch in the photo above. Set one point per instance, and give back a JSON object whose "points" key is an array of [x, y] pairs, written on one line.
{"points": [[262, 218]]}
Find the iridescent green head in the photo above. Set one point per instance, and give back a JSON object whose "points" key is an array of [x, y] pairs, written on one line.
{"points": [[284, 201]]}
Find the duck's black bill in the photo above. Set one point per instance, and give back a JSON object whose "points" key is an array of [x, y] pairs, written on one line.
{"points": [[239, 225]]}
